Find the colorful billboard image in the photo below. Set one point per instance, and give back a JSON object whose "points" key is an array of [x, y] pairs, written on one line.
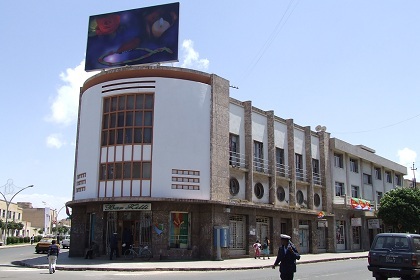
{"points": [[132, 37]]}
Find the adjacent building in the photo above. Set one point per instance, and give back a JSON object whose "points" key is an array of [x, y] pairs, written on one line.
{"points": [[166, 158]]}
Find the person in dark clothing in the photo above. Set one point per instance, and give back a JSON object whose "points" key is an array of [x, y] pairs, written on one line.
{"points": [[114, 246], [127, 240], [53, 251], [287, 256], [91, 251]]}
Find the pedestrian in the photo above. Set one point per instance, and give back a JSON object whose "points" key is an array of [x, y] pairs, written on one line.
{"points": [[91, 251], [53, 251], [32, 239], [114, 246], [257, 249], [266, 248], [287, 256]]}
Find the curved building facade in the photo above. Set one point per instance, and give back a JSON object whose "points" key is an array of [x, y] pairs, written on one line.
{"points": [[166, 159]]}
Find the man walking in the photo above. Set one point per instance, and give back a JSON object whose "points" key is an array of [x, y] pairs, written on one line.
{"points": [[114, 246], [53, 251], [287, 256]]}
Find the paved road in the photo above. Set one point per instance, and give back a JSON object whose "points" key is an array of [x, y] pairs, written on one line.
{"points": [[342, 270]]}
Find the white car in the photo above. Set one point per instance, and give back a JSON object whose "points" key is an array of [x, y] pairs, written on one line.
{"points": [[65, 242]]}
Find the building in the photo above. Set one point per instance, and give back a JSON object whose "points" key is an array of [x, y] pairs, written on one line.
{"points": [[359, 178], [15, 215], [165, 158], [42, 219]]}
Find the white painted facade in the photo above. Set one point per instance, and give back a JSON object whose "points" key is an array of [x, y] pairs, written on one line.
{"points": [[181, 140]]}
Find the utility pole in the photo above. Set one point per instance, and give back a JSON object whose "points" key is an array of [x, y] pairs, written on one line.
{"points": [[414, 176]]}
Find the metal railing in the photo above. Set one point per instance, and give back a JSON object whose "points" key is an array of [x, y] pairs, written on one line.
{"points": [[282, 170], [236, 159], [317, 178], [260, 165], [301, 175]]}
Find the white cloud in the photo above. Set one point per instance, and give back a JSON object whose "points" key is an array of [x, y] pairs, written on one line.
{"points": [[191, 58], [406, 158], [55, 141], [65, 103]]}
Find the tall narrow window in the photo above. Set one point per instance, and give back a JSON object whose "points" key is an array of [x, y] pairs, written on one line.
{"points": [[354, 165], [355, 191], [338, 160], [258, 156], [316, 172], [280, 163], [397, 180], [234, 157], [388, 177], [378, 173], [299, 167], [339, 189]]}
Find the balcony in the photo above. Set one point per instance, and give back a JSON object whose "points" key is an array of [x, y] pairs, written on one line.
{"points": [[317, 178], [236, 160], [260, 165], [282, 170], [302, 175]]}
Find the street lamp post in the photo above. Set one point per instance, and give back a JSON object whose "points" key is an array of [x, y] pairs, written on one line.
{"points": [[56, 223], [9, 185]]}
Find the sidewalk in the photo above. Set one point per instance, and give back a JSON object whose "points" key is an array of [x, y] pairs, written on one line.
{"points": [[121, 264]]}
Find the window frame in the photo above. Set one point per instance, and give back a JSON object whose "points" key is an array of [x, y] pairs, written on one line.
{"points": [[354, 165], [338, 160], [341, 191]]}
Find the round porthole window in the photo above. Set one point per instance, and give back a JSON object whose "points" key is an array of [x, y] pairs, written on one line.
{"points": [[234, 186], [317, 200], [259, 190], [281, 193], [299, 197]]}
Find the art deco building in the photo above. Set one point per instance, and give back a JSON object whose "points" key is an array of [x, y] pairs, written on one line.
{"points": [[166, 158]]}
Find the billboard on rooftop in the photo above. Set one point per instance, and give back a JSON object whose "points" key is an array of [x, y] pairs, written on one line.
{"points": [[132, 37]]}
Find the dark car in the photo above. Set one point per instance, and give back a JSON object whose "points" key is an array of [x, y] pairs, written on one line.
{"points": [[395, 255]]}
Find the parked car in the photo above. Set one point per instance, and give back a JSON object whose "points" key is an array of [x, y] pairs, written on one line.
{"points": [[395, 255], [43, 245], [65, 242]]}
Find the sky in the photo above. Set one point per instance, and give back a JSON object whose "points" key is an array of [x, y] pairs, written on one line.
{"points": [[351, 66]]}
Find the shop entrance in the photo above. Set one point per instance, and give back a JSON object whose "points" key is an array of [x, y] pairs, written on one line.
{"points": [[133, 228]]}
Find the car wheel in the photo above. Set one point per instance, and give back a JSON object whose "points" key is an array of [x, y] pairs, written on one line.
{"points": [[381, 277], [37, 252]]}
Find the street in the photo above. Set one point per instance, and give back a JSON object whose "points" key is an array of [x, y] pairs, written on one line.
{"points": [[343, 270]]}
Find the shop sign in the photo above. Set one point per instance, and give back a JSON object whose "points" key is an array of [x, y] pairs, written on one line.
{"points": [[127, 207], [373, 223], [322, 224], [356, 222]]}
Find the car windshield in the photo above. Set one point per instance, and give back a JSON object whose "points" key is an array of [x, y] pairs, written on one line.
{"points": [[391, 243], [45, 240]]}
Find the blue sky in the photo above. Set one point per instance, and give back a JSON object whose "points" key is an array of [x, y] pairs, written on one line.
{"points": [[352, 66]]}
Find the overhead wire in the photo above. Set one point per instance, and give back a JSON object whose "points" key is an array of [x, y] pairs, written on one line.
{"points": [[378, 128], [281, 23]]}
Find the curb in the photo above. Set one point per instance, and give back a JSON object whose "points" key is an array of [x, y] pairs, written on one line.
{"points": [[90, 268]]}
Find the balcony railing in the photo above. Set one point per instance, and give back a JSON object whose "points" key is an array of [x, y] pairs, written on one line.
{"points": [[301, 175], [236, 159], [282, 170], [317, 178], [260, 165]]}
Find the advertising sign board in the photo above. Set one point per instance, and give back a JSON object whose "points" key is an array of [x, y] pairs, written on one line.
{"points": [[132, 37]]}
